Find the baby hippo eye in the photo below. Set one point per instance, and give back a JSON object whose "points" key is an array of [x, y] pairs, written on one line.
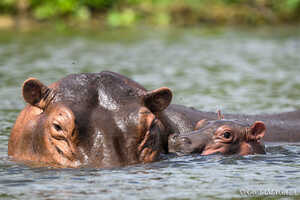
{"points": [[227, 135], [57, 127]]}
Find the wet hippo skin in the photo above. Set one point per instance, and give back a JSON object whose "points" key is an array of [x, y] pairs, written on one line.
{"points": [[281, 127], [105, 120], [93, 119], [222, 136]]}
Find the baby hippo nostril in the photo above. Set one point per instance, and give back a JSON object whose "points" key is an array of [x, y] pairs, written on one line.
{"points": [[172, 138], [185, 140]]}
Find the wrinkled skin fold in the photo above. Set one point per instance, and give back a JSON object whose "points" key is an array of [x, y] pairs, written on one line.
{"points": [[93, 119]]}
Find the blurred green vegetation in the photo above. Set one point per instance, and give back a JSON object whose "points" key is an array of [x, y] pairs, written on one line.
{"points": [[158, 12]]}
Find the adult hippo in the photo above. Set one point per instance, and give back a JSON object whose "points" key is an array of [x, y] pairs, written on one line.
{"points": [[92, 119]]}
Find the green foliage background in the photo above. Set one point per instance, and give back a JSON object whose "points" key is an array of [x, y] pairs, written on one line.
{"points": [[158, 12]]}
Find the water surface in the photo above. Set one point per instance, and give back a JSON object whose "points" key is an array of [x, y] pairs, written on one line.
{"points": [[235, 70]]}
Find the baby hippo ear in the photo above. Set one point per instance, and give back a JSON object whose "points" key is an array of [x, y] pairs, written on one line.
{"points": [[258, 130], [34, 92], [200, 124], [159, 99]]}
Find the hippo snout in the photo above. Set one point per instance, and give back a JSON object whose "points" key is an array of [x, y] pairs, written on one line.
{"points": [[176, 139], [185, 140], [182, 145], [173, 143]]}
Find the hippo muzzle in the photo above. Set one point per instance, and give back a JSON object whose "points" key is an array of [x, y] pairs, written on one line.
{"points": [[187, 144]]}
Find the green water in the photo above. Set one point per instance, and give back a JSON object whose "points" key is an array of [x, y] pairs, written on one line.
{"points": [[236, 70]]}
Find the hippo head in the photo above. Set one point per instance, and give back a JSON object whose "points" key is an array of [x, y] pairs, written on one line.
{"points": [[93, 119], [226, 137]]}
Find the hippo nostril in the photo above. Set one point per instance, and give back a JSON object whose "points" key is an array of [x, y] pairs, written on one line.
{"points": [[185, 140]]}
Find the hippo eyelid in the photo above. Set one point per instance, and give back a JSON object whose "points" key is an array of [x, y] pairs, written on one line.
{"points": [[57, 127], [224, 134]]}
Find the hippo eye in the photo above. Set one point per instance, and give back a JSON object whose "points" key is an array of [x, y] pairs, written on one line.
{"points": [[57, 127], [227, 135]]}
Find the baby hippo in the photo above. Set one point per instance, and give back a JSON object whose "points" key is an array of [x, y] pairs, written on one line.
{"points": [[226, 137]]}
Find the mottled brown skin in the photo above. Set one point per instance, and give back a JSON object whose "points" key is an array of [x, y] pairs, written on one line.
{"points": [[226, 137], [97, 120]]}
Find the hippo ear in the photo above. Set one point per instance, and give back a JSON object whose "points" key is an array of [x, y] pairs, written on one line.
{"points": [[258, 130], [34, 92], [200, 124], [159, 99]]}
